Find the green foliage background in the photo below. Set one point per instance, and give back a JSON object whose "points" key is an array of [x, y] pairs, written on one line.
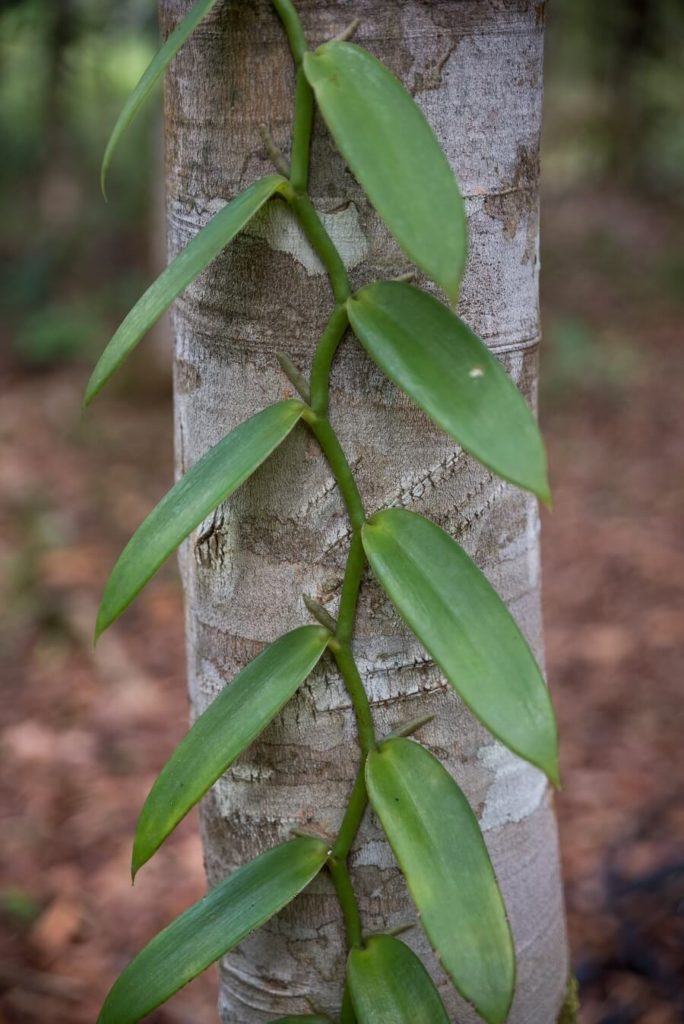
{"points": [[71, 262]]}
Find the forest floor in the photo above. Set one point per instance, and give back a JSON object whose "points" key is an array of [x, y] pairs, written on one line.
{"points": [[83, 733]]}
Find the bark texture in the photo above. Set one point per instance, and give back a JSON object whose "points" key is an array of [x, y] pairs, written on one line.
{"points": [[475, 67]]}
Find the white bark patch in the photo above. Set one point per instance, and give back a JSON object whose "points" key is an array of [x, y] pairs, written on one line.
{"points": [[278, 228], [517, 789], [374, 854], [213, 681], [244, 772]]}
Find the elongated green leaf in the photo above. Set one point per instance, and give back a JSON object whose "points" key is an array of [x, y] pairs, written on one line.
{"points": [[438, 844], [389, 985], [243, 902], [195, 258], [393, 152], [206, 485], [445, 368], [150, 77], [231, 722], [458, 616]]}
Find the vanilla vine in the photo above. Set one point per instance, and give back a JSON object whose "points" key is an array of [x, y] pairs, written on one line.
{"points": [[434, 357]]}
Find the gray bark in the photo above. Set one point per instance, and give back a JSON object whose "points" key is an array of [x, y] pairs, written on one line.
{"points": [[475, 67]]}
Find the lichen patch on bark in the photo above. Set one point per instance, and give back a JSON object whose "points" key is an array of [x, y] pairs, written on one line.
{"points": [[277, 226], [516, 790]]}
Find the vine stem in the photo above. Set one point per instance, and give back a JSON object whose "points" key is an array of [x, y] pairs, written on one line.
{"points": [[322, 430], [293, 28], [301, 133], [323, 359], [320, 240], [339, 872], [316, 418]]}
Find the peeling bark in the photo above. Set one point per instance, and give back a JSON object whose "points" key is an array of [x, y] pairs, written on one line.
{"points": [[475, 67]]}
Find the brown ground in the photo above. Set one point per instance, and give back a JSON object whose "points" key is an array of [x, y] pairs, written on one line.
{"points": [[83, 734]]}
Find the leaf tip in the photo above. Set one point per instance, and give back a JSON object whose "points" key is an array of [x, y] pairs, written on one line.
{"points": [[536, 482], [499, 1016], [546, 497], [92, 388], [102, 623], [103, 182], [553, 775], [540, 485], [137, 861], [498, 1010], [547, 757]]}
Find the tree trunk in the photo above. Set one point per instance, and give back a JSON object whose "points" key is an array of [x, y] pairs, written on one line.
{"points": [[475, 67]]}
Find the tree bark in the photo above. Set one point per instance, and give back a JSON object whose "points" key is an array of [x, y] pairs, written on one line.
{"points": [[475, 67]]}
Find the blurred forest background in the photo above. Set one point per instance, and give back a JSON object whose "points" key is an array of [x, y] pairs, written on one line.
{"points": [[81, 738]]}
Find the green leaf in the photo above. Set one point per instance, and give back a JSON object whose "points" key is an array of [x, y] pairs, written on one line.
{"points": [[445, 368], [196, 257], [241, 903], [393, 152], [389, 985], [150, 77], [439, 847], [231, 722], [206, 485], [458, 616]]}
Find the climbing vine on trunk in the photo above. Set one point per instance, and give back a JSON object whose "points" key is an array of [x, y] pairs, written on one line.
{"points": [[419, 342]]}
